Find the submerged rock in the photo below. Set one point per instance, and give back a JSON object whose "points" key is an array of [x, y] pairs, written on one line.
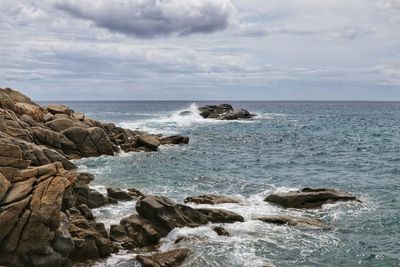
{"points": [[224, 112], [211, 199], [221, 231], [309, 198], [165, 259], [293, 221]]}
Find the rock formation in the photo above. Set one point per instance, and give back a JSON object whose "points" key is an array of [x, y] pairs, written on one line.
{"points": [[45, 216], [224, 112], [157, 216], [294, 221], [211, 199], [309, 198]]}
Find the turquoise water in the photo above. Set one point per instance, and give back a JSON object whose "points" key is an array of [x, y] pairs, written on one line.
{"points": [[350, 145]]}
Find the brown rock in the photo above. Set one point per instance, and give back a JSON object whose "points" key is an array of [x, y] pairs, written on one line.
{"points": [[60, 125], [221, 231], [58, 109], [133, 192], [118, 194], [149, 141], [293, 221], [4, 186], [10, 151], [9, 216], [19, 191], [174, 140], [211, 199], [308, 198], [165, 259]]}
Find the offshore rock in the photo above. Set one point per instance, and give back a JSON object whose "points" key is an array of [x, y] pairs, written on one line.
{"points": [[165, 259], [309, 198], [211, 199], [294, 221], [224, 112]]}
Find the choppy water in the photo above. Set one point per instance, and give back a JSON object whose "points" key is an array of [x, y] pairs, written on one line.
{"points": [[350, 145]]}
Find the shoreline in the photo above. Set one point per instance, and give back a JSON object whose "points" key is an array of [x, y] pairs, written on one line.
{"points": [[47, 200]]}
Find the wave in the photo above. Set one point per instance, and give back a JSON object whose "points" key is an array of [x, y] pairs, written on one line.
{"points": [[172, 123]]}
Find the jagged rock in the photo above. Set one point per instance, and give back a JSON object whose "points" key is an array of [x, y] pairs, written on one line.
{"points": [[308, 198], [60, 125], [58, 109], [149, 141], [9, 216], [157, 216], [224, 112], [118, 194], [293, 221], [47, 117], [92, 198], [118, 233], [133, 192], [211, 199], [165, 259], [221, 231], [86, 212], [90, 142], [19, 191], [4, 186], [174, 140], [10, 151], [63, 242]]}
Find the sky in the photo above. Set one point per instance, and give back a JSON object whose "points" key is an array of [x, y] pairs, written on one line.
{"points": [[201, 49]]}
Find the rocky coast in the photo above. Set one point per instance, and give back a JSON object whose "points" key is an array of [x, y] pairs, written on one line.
{"points": [[45, 203]]}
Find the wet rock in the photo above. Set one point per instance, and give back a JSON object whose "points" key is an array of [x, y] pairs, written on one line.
{"points": [[92, 198], [118, 194], [174, 140], [86, 212], [185, 113], [157, 216], [224, 112], [118, 233], [149, 141], [211, 199], [294, 221], [308, 198], [165, 259], [133, 192], [221, 231]]}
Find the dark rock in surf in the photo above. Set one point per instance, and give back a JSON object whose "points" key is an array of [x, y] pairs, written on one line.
{"points": [[118, 194], [211, 199], [221, 231], [165, 259], [309, 198], [224, 112], [294, 221]]}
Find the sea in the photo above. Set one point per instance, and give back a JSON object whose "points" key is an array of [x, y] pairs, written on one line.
{"points": [[353, 146]]}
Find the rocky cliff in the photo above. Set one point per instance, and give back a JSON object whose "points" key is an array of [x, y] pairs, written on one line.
{"points": [[44, 215]]}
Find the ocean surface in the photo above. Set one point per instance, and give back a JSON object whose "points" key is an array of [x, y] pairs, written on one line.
{"points": [[349, 145]]}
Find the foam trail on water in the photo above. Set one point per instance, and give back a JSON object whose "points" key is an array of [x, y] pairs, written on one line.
{"points": [[174, 122]]}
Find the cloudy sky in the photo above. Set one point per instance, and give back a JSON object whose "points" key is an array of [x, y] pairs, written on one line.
{"points": [[201, 49]]}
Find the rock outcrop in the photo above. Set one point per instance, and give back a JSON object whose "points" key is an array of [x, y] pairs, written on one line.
{"points": [[224, 112], [157, 216], [211, 199], [165, 259], [45, 216], [309, 198], [294, 221]]}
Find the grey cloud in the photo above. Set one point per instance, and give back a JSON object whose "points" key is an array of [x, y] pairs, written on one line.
{"points": [[151, 18]]}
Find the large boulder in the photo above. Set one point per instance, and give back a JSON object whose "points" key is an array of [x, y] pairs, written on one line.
{"points": [[293, 221], [149, 141], [90, 142], [118, 193], [58, 109], [224, 112], [60, 125], [165, 259], [157, 216], [309, 198], [211, 199], [174, 140]]}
